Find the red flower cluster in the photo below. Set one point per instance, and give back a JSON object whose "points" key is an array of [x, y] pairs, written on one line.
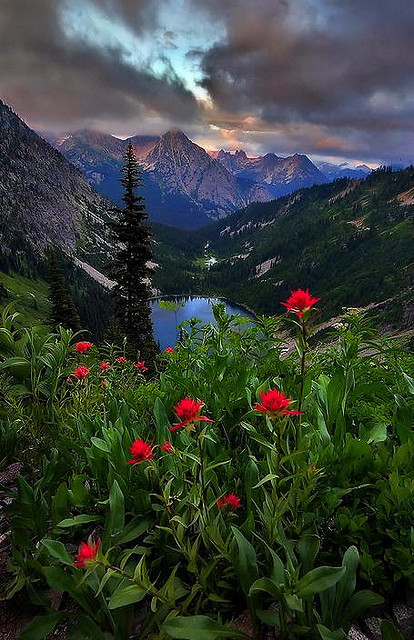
{"points": [[231, 501], [81, 347], [300, 302], [188, 411], [169, 350], [121, 359], [87, 553], [141, 451], [103, 384], [275, 404], [81, 372], [104, 366], [141, 366], [167, 446]]}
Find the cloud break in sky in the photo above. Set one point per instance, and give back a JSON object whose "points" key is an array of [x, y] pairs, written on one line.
{"points": [[331, 78]]}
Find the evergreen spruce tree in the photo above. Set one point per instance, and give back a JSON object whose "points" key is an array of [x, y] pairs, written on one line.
{"points": [[130, 267], [63, 311]]}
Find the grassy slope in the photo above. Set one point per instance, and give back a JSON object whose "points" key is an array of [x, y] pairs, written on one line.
{"points": [[29, 296]]}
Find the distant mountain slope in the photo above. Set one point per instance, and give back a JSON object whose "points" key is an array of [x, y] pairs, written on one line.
{"points": [[185, 186], [280, 175], [43, 198], [351, 242]]}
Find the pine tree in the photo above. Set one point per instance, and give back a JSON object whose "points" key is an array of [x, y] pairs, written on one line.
{"points": [[63, 311], [130, 267]]}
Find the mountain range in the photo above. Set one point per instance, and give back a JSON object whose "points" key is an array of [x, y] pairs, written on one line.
{"points": [[350, 240], [184, 185]]}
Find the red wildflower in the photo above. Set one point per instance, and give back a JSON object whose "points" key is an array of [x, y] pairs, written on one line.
{"points": [[231, 501], [169, 350], [103, 384], [81, 347], [140, 451], [87, 553], [141, 366], [167, 446], [81, 372], [300, 301], [104, 366], [121, 359], [275, 404], [188, 411]]}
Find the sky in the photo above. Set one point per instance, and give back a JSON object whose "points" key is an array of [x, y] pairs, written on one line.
{"points": [[330, 78]]}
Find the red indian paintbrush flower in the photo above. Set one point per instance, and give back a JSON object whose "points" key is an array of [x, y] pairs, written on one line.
{"points": [[121, 359], [300, 301], [140, 451], [167, 446], [169, 350], [87, 553], [81, 372], [188, 411], [104, 366], [141, 366], [81, 347], [275, 404], [103, 384], [231, 501]]}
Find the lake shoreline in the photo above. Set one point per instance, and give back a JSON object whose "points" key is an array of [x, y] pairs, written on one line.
{"points": [[212, 297]]}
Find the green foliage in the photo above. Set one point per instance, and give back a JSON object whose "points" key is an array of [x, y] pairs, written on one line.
{"points": [[326, 497]]}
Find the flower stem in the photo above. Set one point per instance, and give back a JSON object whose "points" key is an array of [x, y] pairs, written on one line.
{"points": [[202, 479], [302, 364]]}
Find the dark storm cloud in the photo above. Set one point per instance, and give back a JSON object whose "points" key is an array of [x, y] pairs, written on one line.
{"points": [[337, 63], [56, 80]]}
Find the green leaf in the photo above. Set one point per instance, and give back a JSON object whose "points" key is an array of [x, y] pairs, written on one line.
{"points": [[360, 602], [327, 634], [265, 585], [200, 627], [83, 518], [308, 547], [378, 433], [101, 444], [135, 528], [245, 563], [116, 519], [126, 594], [41, 626], [410, 383], [57, 550], [86, 629], [318, 580], [389, 632]]}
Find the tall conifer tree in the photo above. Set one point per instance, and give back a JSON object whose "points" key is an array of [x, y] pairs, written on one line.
{"points": [[63, 311], [130, 267]]}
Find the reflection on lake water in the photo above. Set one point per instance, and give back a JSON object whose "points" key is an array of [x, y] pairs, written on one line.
{"points": [[193, 307]]}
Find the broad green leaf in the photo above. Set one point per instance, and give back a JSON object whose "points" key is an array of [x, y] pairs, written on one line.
{"points": [[389, 632], [57, 550], [135, 528], [41, 626], [245, 562], [378, 433], [360, 602], [265, 585], [200, 628], [308, 547], [126, 594], [318, 580], [410, 383], [327, 634], [101, 444], [86, 629], [83, 518], [116, 519]]}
